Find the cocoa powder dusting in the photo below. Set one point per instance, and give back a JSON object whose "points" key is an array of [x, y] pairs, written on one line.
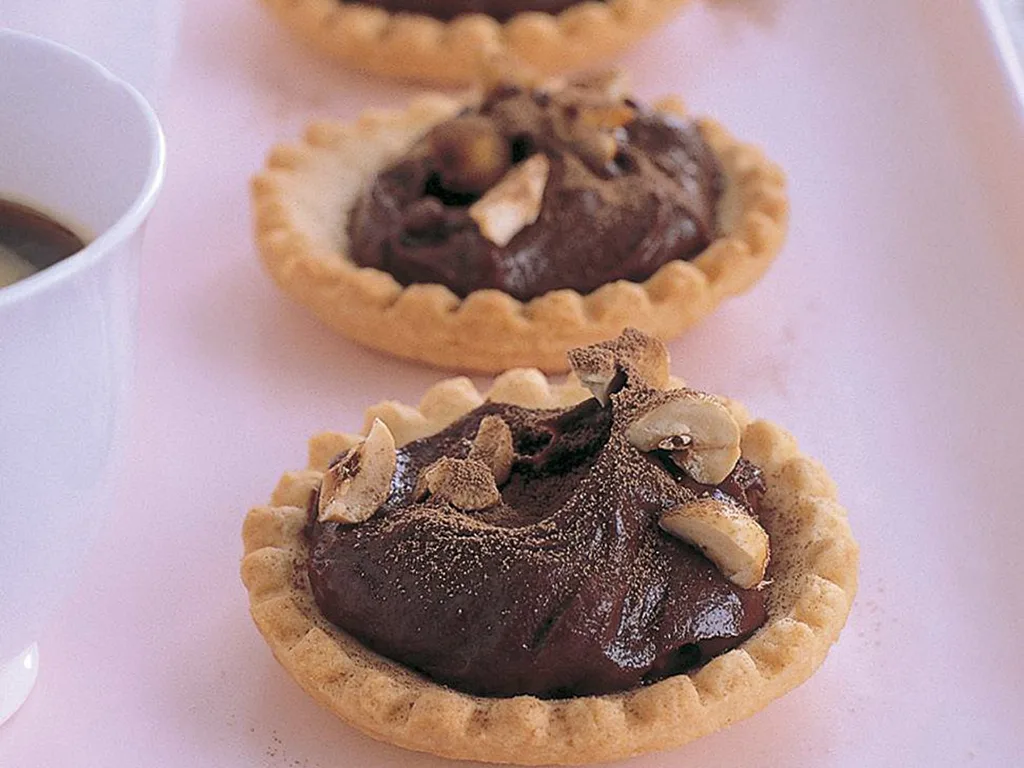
{"points": [[565, 587]]}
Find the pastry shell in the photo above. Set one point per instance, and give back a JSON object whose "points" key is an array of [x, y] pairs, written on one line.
{"points": [[303, 196], [813, 582], [422, 48]]}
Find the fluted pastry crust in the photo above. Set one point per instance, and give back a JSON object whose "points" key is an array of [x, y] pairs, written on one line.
{"points": [[814, 579], [421, 48], [302, 200]]}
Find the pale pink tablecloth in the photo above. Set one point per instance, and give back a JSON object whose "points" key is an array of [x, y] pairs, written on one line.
{"points": [[887, 337]]}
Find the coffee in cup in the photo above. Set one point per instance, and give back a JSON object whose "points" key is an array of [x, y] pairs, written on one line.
{"points": [[31, 240]]}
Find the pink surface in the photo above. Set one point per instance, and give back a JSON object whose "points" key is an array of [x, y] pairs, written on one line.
{"points": [[888, 338]]}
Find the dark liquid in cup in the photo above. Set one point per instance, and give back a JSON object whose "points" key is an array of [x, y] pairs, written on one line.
{"points": [[34, 236]]}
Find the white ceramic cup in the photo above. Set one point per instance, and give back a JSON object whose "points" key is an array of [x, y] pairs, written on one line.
{"points": [[87, 149]]}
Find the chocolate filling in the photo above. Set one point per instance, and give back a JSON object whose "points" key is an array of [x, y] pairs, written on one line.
{"points": [[568, 587], [449, 9], [617, 210]]}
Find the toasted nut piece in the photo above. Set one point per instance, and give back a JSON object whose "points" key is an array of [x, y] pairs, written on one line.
{"points": [[605, 367], [493, 446], [472, 153], [353, 489], [514, 202], [598, 149], [696, 427], [464, 483], [642, 356], [590, 113], [597, 370], [594, 146], [729, 537]]}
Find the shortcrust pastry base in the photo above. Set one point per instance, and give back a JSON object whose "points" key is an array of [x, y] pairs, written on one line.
{"points": [[814, 574], [303, 197], [424, 49]]}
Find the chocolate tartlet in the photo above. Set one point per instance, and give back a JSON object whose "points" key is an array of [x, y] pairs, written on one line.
{"points": [[621, 190], [506, 231], [450, 41], [545, 592], [555, 574]]}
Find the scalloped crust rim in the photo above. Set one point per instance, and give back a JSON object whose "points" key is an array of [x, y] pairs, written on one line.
{"points": [[301, 202], [814, 580], [421, 48]]}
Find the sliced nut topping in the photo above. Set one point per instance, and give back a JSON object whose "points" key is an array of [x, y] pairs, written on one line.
{"points": [[595, 146], [353, 489], [493, 447], [597, 370], [604, 368], [514, 202], [471, 152], [724, 531], [598, 149], [592, 111], [699, 430], [464, 483]]}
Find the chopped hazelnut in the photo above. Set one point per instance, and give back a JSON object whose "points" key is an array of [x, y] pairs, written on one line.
{"points": [[493, 446], [605, 367], [354, 488], [697, 428], [598, 370], [642, 356], [513, 203], [471, 152], [591, 113], [730, 537], [467, 484]]}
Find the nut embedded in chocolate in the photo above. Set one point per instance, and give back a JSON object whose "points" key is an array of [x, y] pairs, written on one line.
{"points": [[699, 430], [471, 152], [730, 537], [514, 202], [573, 525], [594, 145], [589, 117], [605, 367], [493, 446], [617, 206], [466, 484], [354, 488], [641, 356], [597, 370]]}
